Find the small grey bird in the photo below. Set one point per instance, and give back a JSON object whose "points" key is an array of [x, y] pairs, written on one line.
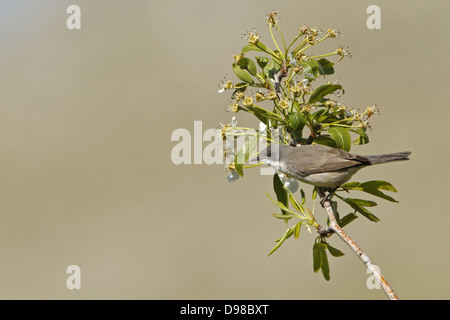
{"points": [[320, 165]]}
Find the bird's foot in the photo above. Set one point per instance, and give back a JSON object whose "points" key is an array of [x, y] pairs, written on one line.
{"points": [[328, 196]]}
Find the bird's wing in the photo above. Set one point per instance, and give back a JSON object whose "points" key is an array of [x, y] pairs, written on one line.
{"points": [[311, 159]]}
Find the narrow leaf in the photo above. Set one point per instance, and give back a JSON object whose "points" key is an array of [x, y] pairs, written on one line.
{"points": [[294, 202], [373, 184], [297, 229], [265, 113], [314, 193], [280, 191], [378, 184], [380, 194], [361, 209], [316, 115], [283, 216], [317, 260], [322, 91], [289, 232], [334, 252], [324, 266], [280, 205], [373, 188], [347, 219], [362, 202]]}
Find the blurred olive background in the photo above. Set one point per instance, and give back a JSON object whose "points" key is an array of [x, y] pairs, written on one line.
{"points": [[86, 175]]}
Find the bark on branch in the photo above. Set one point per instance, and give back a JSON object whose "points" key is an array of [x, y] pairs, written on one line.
{"points": [[334, 226]]}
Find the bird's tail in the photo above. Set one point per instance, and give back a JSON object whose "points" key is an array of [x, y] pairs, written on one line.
{"points": [[382, 158]]}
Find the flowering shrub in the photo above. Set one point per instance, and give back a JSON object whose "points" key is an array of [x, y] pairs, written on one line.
{"points": [[285, 87]]}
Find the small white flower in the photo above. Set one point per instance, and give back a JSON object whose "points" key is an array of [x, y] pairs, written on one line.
{"points": [[251, 36]]}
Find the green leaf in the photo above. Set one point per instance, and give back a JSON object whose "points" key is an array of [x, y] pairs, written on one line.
{"points": [[242, 74], [363, 137], [352, 185], [303, 196], [359, 206], [283, 207], [326, 66], [318, 114], [244, 153], [325, 140], [262, 61], [260, 116], [289, 232], [380, 194], [271, 68], [252, 47], [280, 205], [373, 187], [347, 219], [341, 136], [280, 191], [262, 76], [294, 202], [334, 252], [329, 118], [296, 123], [322, 91], [317, 259], [324, 266], [314, 193], [362, 202], [378, 184], [283, 216], [241, 86], [311, 68], [265, 113], [248, 64], [297, 229]]}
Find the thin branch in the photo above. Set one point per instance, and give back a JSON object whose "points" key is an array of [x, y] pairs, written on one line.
{"points": [[334, 226]]}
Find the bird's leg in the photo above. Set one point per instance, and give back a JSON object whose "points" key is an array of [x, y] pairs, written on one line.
{"points": [[327, 197]]}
